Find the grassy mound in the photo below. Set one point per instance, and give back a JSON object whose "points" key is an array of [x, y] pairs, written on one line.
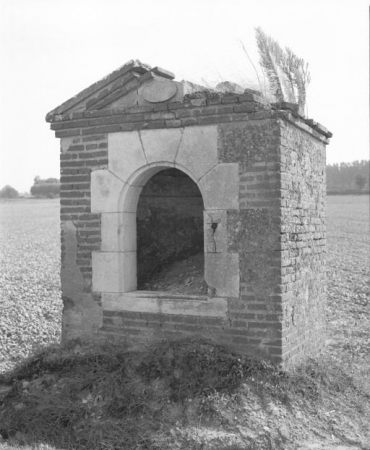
{"points": [[188, 393]]}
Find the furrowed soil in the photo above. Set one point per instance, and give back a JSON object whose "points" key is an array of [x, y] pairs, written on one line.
{"points": [[187, 394]]}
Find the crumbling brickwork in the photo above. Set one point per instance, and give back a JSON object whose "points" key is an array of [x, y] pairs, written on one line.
{"points": [[260, 170], [303, 197]]}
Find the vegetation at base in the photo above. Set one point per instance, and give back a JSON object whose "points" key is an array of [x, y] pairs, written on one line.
{"points": [[107, 397], [349, 178], [48, 188], [8, 192]]}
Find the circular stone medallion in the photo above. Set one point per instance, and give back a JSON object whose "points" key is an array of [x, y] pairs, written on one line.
{"points": [[159, 91]]}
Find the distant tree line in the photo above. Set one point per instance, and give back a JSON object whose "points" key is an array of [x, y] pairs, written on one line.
{"points": [[48, 188], [347, 178]]}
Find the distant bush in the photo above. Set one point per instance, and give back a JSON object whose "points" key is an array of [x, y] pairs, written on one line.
{"points": [[48, 188], [8, 192]]}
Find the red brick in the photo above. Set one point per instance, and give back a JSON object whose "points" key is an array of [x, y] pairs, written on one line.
{"points": [[260, 115], [214, 119], [76, 124], [215, 321], [97, 137], [277, 325], [275, 350], [217, 110], [184, 113], [214, 101], [139, 109], [74, 179], [67, 133], [69, 210], [56, 125], [250, 98], [173, 123], [155, 124], [88, 233], [189, 121], [87, 131], [191, 319], [239, 323], [162, 115], [65, 217], [74, 202], [175, 105], [107, 129], [236, 331], [192, 328], [98, 113], [127, 127], [241, 117], [68, 156], [161, 107], [79, 194], [107, 120], [76, 148], [76, 115], [93, 155], [246, 107], [230, 99]]}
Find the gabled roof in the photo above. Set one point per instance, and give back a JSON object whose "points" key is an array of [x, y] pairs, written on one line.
{"points": [[111, 88], [136, 87]]}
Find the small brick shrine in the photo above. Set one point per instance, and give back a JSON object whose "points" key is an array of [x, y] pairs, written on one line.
{"points": [[260, 170]]}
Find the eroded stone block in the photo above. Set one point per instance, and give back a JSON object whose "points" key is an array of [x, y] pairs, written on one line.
{"points": [[215, 231], [118, 232], [114, 271], [220, 187], [222, 273], [161, 145], [125, 154], [105, 191], [198, 149], [81, 314], [140, 301]]}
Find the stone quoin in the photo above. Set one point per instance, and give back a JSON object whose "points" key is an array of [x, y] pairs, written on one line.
{"points": [[251, 173]]}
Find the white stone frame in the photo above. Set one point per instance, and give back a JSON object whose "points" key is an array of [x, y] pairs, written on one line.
{"points": [[133, 158]]}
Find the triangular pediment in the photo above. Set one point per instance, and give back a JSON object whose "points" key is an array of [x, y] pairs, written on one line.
{"points": [[132, 84]]}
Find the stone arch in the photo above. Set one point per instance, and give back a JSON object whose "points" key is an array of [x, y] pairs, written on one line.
{"points": [[131, 191], [118, 222], [170, 234], [127, 203]]}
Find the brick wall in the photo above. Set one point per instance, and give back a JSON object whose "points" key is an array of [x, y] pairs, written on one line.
{"points": [[254, 232], [303, 243], [80, 229], [145, 327]]}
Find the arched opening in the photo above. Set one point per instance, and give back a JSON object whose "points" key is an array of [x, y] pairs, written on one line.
{"points": [[170, 241]]}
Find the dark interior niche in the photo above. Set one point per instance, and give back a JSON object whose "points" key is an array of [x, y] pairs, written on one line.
{"points": [[170, 249]]}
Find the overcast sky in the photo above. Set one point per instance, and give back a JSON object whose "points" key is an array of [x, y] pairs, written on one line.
{"points": [[52, 49]]}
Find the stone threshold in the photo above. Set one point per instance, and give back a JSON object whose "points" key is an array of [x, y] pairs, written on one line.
{"points": [[165, 303]]}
